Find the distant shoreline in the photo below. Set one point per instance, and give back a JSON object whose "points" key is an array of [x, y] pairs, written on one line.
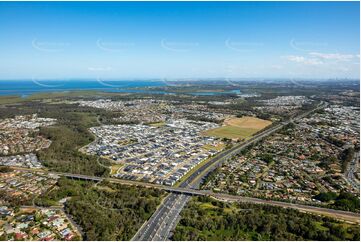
{"points": [[29, 87]]}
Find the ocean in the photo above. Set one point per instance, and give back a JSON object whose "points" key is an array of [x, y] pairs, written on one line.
{"points": [[26, 88]]}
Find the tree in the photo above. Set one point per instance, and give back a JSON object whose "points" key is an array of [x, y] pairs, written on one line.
{"points": [[326, 196]]}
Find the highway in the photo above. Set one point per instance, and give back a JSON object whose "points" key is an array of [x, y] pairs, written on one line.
{"points": [[187, 192], [173, 206], [164, 219], [337, 214], [352, 167], [159, 227], [203, 171]]}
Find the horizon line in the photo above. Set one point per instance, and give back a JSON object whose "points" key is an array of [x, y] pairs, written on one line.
{"points": [[187, 79]]}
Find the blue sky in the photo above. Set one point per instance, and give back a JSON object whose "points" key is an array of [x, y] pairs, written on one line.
{"points": [[179, 40]]}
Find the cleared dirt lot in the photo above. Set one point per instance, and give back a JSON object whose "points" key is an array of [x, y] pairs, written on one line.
{"points": [[248, 122], [238, 128]]}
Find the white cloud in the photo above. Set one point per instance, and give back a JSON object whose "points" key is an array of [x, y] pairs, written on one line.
{"points": [[295, 58], [332, 56], [303, 60], [313, 61]]}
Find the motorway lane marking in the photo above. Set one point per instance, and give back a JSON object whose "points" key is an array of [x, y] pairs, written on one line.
{"points": [[175, 218], [171, 210], [151, 219]]}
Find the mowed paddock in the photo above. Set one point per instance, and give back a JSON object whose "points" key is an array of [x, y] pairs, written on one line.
{"points": [[238, 128]]}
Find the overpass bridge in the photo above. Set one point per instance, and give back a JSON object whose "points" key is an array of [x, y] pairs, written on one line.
{"points": [[82, 177], [343, 215], [136, 183]]}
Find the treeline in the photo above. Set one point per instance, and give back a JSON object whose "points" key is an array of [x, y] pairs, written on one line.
{"points": [[203, 119], [346, 157], [288, 129], [333, 140], [63, 154], [106, 211], [68, 135], [343, 201], [5, 169], [207, 219]]}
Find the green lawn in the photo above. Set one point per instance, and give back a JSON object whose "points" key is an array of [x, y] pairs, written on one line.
{"points": [[231, 132]]}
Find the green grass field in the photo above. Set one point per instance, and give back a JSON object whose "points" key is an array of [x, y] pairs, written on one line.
{"points": [[231, 132]]}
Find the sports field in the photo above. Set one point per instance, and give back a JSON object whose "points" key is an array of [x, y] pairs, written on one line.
{"points": [[238, 128]]}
